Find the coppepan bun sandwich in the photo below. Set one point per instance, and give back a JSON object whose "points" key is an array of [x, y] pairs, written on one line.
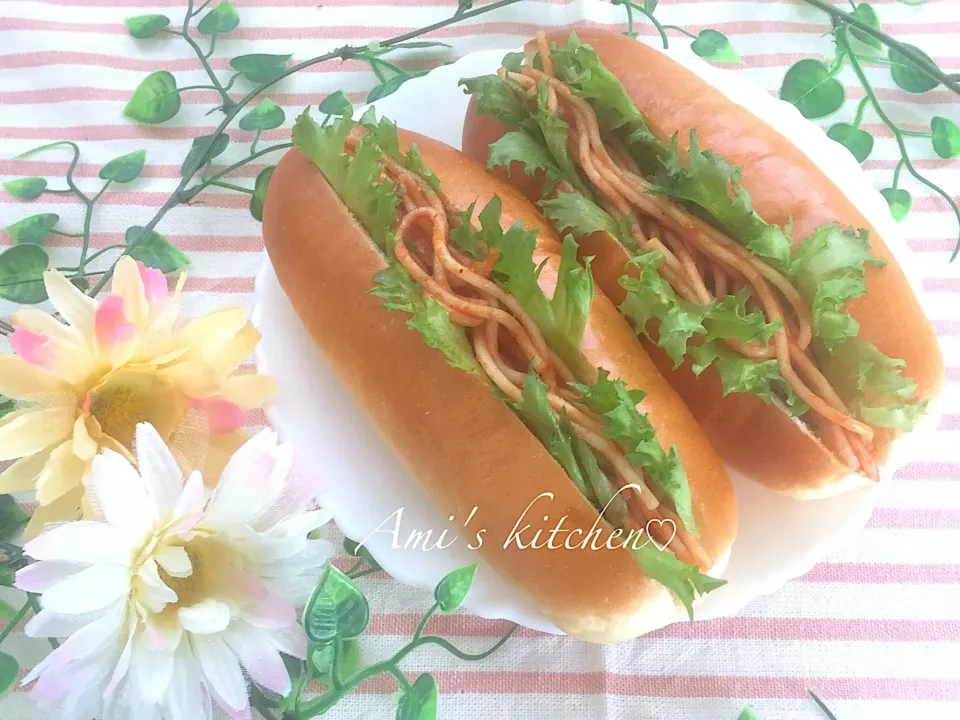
{"points": [[765, 297], [501, 379]]}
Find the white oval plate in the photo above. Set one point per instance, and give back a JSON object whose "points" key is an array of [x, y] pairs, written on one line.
{"points": [[367, 489]]}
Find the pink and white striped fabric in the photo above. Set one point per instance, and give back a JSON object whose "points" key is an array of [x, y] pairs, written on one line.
{"points": [[874, 630]]}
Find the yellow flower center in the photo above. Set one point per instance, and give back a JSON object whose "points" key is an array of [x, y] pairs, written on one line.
{"points": [[128, 397]]}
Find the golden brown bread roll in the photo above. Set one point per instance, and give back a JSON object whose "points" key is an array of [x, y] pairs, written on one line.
{"points": [[752, 436], [463, 444]]}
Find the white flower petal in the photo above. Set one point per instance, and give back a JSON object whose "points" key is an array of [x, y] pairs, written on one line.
{"points": [[221, 671], [185, 698], [289, 537], [190, 502], [56, 625], [123, 663], [290, 640], [91, 589], [40, 576], [83, 542], [152, 592], [151, 670], [94, 638], [205, 618], [121, 495], [158, 468], [259, 657], [174, 560], [237, 497]]}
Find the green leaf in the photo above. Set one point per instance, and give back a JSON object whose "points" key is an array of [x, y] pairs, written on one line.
{"points": [[414, 163], [155, 100], [222, 19], [907, 75], [7, 612], [809, 86], [155, 250], [946, 137], [875, 386], [453, 588], [713, 184], [649, 5], [714, 46], [513, 61], [391, 85], [265, 116], [260, 188], [538, 415], [899, 200], [497, 98], [857, 141], [420, 701], [865, 13], [203, 149], [635, 434], [29, 188], [33, 230], [359, 551], [430, 318], [829, 271], [21, 274], [336, 104], [519, 146], [8, 575], [260, 68], [356, 179], [125, 168], [7, 406], [684, 581], [322, 659], [9, 671], [337, 608], [146, 26], [747, 714], [13, 519]]}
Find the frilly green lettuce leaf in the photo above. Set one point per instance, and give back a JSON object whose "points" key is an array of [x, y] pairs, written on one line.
{"points": [[500, 99], [875, 386], [684, 581], [538, 415], [400, 292], [829, 270], [561, 319], [635, 434], [356, 179], [712, 185], [519, 146]]}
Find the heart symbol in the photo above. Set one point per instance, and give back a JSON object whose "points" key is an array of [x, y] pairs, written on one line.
{"points": [[661, 522]]}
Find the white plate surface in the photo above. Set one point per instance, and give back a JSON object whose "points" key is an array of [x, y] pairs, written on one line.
{"points": [[365, 486]]}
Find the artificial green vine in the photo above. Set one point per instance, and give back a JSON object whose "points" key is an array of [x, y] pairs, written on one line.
{"points": [[157, 99], [812, 87]]}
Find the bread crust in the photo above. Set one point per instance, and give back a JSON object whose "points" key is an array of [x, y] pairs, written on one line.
{"points": [[465, 447], [756, 439]]}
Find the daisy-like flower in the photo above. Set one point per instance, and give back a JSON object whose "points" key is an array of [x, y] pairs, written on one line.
{"points": [[84, 384], [179, 594]]}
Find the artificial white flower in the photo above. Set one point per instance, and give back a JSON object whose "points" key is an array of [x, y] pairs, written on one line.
{"points": [[176, 595]]}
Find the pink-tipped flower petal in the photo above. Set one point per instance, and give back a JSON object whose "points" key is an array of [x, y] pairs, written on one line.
{"points": [[32, 346], [154, 284], [110, 323], [223, 416]]}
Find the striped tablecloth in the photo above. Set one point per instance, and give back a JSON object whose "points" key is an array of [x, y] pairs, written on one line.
{"points": [[874, 629]]}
